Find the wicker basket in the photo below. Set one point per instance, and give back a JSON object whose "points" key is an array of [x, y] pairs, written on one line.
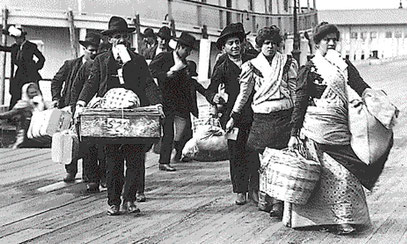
{"points": [[287, 176]]}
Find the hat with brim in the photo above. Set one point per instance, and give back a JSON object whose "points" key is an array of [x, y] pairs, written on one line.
{"points": [[14, 31], [117, 25], [164, 33], [148, 32], [231, 30], [186, 39], [91, 39]]}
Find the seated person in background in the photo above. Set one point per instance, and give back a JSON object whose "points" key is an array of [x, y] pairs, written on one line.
{"points": [[31, 100]]}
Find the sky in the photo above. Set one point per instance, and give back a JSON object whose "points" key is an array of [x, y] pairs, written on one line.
{"points": [[357, 4]]}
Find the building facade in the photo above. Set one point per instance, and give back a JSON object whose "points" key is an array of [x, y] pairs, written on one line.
{"points": [[374, 34]]}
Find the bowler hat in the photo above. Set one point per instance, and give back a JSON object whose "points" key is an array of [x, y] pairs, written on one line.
{"points": [[164, 32], [91, 39], [192, 67], [186, 39], [117, 24], [148, 32], [234, 29]]}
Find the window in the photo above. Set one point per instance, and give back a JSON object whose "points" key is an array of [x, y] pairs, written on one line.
{"points": [[286, 5], [363, 35], [354, 35], [373, 35], [389, 34], [397, 34]]}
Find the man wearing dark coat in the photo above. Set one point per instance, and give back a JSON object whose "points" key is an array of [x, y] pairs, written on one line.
{"points": [[226, 74], [137, 78], [64, 78], [22, 54], [163, 39], [170, 69]]}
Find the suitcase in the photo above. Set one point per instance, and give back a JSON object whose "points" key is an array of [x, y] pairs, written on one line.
{"points": [[48, 122], [65, 146]]}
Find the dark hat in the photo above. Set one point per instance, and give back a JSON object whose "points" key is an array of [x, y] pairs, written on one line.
{"points": [[164, 32], [234, 29], [323, 29], [192, 68], [268, 33], [117, 24], [91, 39], [186, 39], [14, 31], [148, 32]]}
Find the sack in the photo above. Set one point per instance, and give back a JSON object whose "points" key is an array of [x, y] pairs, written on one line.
{"points": [[288, 176], [209, 143], [65, 146], [371, 137], [120, 98], [48, 122]]}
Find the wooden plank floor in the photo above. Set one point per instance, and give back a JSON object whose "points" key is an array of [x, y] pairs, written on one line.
{"points": [[192, 205]]}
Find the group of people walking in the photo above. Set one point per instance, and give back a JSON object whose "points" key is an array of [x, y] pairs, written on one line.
{"points": [[270, 100]]}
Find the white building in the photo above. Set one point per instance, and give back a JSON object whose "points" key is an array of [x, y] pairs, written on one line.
{"points": [[373, 33], [47, 24]]}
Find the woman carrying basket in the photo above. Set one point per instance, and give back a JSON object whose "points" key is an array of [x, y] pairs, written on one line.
{"points": [[321, 110], [267, 84]]}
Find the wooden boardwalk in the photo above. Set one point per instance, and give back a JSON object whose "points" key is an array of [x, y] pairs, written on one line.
{"points": [[191, 205]]}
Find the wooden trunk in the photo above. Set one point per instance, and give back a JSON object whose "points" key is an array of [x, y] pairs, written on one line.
{"points": [[138, 125]]}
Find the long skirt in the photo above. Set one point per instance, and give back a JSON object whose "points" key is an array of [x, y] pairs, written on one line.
{"points": [[339, 198]]}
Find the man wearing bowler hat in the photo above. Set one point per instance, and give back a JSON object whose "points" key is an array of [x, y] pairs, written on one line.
{"points": [[62, 82], [170, 69], [136, 77], [22, 54], [163, 38], [226, 74]]}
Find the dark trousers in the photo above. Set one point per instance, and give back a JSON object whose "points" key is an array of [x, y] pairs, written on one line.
{"points": [[167, 138], [94, 163], [244, 164], [72, 168], [135, 159]]}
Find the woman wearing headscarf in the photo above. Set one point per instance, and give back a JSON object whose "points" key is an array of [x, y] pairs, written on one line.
{"points": [[321, 112], [31, 100], [268, 81]]}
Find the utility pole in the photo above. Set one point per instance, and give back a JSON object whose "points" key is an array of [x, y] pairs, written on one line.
{"points": [[3, 57], [296, 44]]}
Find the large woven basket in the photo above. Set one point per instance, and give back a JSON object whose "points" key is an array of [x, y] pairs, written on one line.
{"points": [[287, 176]]}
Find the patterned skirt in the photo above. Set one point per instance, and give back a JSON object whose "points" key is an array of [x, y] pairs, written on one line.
{"points": [[339, 198]]}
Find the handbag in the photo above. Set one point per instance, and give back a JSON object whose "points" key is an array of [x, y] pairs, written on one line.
{"points": [[371, 118]]}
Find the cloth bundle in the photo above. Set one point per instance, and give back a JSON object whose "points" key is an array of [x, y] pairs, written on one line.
{"points": [[287, 175], [48, 122], [371, 118], [209, 143], [116, 98]]}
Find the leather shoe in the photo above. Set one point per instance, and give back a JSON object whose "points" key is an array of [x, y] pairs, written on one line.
{"points": [[92, 187], [113, 210], [166, 167], [240, 199], [277, 211], [345, 229], [103, 183], [140, 197], [69, 178], [130, 207]]}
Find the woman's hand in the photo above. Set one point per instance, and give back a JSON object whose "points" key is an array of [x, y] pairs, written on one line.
{"points": [[293, 142], [218, 99], [229, 125]]}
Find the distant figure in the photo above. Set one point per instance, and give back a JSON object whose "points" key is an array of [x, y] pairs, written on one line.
{"points": [[149, 40], [62, 82], [22, 54], [163, 39], [31, 100]]}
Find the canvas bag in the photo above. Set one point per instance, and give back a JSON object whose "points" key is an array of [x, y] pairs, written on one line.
{"points": [[371, 118]]}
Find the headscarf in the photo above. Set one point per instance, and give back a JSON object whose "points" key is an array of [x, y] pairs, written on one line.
{"points": [[35, 104]]}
